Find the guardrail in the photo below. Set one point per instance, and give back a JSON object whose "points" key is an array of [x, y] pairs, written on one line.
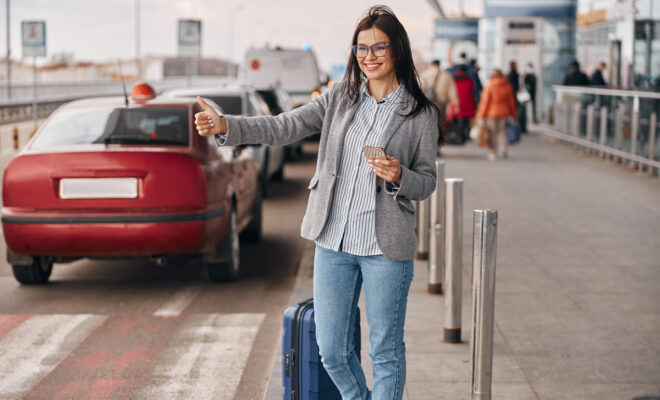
{"points": [[617, 124], [52, 95]]}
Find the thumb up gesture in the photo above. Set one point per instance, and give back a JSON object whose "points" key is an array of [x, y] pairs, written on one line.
{"points": [[208, 122]]}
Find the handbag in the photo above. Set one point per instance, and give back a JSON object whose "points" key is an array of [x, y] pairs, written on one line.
{"points": [[484, 136], [512, 131], [475, 131]]}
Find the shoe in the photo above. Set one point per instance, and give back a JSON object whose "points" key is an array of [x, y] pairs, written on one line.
{"points": [[491, 157], [504, 155]]}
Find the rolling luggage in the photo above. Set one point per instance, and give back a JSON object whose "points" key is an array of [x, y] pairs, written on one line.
{"points": [[303, 375]]}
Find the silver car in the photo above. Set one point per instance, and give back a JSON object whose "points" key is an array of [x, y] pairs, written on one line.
{"points": [[240, 99]]}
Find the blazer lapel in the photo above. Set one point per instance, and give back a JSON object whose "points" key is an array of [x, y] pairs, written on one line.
{"points": [[396, 118], [339, 134]]}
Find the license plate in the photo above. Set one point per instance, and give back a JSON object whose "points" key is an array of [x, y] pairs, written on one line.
{"points": [[99, 188]]}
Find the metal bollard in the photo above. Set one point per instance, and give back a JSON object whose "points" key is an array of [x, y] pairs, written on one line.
{"points": [[603, 129], [652, 125], [453, 259], [483, 303], [423, 230], [590, 126], [635, 131], [15, 134], [577, 116], [436, 237]]}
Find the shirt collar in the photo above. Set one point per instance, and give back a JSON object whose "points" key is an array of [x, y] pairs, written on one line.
{"points": [[389, 98]]}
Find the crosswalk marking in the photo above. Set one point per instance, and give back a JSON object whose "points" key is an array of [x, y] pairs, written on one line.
{"points": [[205, 359], [178, 302], [33, 349], [199, 356]]}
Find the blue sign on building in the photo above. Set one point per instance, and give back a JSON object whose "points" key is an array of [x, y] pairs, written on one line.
{"points": [[527, 8], [457, 29]]}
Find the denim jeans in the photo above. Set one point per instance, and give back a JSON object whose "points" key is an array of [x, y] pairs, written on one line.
{"points": [[338, 278]]}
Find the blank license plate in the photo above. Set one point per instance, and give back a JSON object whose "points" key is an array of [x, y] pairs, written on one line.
{"points": [[99, 188]]}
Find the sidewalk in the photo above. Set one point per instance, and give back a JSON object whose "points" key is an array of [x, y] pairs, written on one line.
{"points": [[577, 308]]}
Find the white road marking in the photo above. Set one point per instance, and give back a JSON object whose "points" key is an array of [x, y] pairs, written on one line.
{"points": [[204, 360], [33, 349], [177, 303]]}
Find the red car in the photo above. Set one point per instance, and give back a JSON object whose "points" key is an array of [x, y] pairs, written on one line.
{"points": [[116, 177]]}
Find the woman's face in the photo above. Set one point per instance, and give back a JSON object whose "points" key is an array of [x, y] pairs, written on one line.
{"points": [[375, 68]]}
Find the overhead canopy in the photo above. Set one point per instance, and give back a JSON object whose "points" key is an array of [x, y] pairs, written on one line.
{"points": [[527, 8], [457, 29]]}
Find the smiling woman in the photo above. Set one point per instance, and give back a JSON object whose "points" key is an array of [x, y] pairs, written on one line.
{"points": [[359, 213]]}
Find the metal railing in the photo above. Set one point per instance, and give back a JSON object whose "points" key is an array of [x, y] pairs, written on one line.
{"points": [[620, 125]]}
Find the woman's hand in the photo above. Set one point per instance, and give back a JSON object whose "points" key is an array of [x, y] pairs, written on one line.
{"points": [[387, 168], [208, 122]]}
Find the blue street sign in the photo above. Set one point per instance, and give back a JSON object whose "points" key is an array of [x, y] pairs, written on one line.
{"points": [[33, 34]]}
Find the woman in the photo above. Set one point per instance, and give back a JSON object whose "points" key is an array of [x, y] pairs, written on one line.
{"points": [[497, 104], [359, 211], [466, 109]]}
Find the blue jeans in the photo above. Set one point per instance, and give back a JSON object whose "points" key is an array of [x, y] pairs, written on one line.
{"points": [[338, 278]]}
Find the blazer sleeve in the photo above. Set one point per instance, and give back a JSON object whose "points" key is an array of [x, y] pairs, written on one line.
{"points": [[418, 181], [279, 130]]}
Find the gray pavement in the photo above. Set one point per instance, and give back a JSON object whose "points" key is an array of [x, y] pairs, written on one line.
{"points": [[577, 309]]}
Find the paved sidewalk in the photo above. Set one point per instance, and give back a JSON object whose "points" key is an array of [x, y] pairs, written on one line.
{"points": [[577, 309]]}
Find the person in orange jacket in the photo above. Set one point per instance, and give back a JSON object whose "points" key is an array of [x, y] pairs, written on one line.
{"points": [[497, 104]]}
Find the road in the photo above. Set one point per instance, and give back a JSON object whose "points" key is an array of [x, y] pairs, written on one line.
{"points": [[127, 329]]}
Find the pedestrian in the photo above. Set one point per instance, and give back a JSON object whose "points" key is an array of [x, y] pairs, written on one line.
{"points": [[478, 87], [359, 212], [514, 78], [575, 77], [497, 104], [466, 108], [529, 80], [597, 78], [440, 88]]}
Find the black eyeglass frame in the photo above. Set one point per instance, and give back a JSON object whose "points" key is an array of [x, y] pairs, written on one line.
{"points": [[370, 49]]}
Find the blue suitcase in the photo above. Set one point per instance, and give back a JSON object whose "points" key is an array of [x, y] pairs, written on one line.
{"points": [[303, 375]]}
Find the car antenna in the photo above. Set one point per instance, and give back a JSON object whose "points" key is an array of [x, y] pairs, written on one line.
{"points": [[123, 83]]}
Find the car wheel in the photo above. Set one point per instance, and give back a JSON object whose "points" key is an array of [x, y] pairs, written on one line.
{"points": [[252, 232], [36, 273], [225, 266]]}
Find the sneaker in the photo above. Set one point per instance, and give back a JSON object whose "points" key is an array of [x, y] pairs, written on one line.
{"points": [[491, 157]]}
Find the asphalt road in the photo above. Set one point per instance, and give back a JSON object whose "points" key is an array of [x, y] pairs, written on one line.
{"points": [[128, 329]]}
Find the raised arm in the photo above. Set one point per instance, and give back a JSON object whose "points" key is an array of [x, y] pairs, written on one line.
{"points": [[279, 130]]}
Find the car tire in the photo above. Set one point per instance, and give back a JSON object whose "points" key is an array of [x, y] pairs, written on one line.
{"points": [[34, 274], [253, 231], [226, 268]]}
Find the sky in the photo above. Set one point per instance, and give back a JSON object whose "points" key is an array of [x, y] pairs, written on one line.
{"points": [[104, 30]]}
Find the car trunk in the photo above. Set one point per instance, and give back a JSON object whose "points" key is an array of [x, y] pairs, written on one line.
{"points": [[109, 179]]}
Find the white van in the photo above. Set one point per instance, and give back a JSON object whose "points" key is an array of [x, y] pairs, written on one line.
{"points": [[294, 70]]}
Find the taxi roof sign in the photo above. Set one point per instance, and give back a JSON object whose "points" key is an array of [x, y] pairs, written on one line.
{"points": [[142, 92]]}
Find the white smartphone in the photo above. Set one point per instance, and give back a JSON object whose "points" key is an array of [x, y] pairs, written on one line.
{"points": [[373, 152]]}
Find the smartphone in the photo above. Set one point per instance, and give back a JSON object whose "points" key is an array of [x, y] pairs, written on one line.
{"points": [[373, 152]]}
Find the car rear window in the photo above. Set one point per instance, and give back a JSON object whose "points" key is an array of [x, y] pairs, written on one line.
{"points": [[231, 105], [143, 125]]}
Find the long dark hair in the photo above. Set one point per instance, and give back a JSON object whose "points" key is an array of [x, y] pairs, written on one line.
{"points": [[383, 18]]}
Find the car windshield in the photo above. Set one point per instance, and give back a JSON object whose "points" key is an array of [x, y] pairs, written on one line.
{"points": [[143, 125], [231, 105]]}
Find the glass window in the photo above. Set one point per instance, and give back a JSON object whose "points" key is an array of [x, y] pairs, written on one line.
{"points": [[144, 125], [231, 105]]}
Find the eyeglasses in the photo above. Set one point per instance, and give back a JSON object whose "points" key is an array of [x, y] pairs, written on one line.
{"points": [[378, 50]]}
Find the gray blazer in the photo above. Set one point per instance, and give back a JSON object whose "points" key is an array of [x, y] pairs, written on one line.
{"points": [[412, 141]]}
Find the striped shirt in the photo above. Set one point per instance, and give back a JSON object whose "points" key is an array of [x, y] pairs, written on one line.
{"points": [[350, 226]]}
